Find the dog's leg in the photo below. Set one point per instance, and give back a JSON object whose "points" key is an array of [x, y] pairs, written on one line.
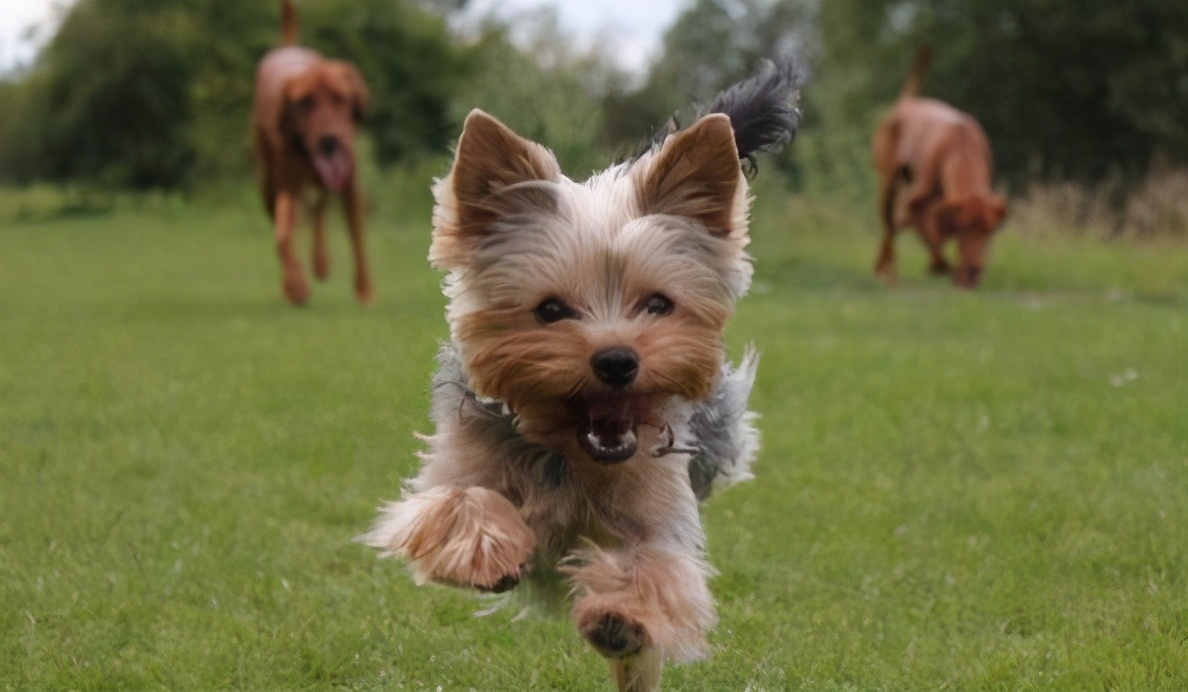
{"points": [[321, 255], [638, 606], [353, 203], [885, 262], [458, 536], [930, 231], [293, 278]]}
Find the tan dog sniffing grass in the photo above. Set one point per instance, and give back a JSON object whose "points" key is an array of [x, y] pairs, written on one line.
{"points": [[304, 119], [935, 173], [584, 405]]}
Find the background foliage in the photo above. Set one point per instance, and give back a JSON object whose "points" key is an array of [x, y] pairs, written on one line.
{"points": [[147, 94]]}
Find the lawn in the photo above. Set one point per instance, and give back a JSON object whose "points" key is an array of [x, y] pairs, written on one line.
{"points": [[959, 490]]}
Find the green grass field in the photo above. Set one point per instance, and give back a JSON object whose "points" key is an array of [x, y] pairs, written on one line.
{"points": [[957, 490]]}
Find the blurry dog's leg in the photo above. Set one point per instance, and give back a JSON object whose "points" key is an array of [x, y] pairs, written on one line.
{"points": [[638, 606], [353, 202], [458, 536], [885, 262], [939, 265], [321, 255], [293, 278]]}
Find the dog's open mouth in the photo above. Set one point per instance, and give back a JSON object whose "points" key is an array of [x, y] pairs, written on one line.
{"points": [[608, 433], [335, 168]]}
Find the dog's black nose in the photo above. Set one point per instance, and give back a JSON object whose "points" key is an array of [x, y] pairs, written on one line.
{"points": [[328, 145], [615, 366]]}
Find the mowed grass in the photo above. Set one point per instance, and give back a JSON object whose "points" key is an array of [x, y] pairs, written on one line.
{"points": [[961, 490]]}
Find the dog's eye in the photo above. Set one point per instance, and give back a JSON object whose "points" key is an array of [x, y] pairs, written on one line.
{"points": [[657, 305], [305, 103], [553, 310]]}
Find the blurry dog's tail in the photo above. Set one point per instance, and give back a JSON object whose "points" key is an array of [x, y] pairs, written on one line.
{"points": [[288, 23], [764, 110], [915, 81]]}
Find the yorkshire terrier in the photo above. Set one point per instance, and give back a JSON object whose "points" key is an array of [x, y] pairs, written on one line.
{"points": [[584, 406]]}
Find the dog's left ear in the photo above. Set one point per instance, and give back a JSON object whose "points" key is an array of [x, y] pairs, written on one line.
{"points": [[696, 174]]}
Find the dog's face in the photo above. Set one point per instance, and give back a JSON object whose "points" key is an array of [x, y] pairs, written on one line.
{"points": [[322, 108], [590, 309], [973, 222]]}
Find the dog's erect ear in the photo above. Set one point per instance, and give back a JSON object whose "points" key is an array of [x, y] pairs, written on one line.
{"points": [[696, 174], [492, 177]]}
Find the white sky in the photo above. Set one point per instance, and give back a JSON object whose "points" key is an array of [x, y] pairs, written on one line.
{"points": [[633, 27], [16, 16]]}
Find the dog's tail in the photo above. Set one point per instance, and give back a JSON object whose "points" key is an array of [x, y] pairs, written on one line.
{"points": [[764, 110], [915, 81], [288, 23]]}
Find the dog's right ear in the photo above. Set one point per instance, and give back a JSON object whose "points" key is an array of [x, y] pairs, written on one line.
{"points": [[496, 173]]}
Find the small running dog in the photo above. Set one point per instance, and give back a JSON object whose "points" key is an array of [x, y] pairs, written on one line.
{"points": [[583, 405]]}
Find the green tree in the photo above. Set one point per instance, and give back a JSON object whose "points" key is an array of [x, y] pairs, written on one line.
{"points": [[712, 43], [1079, 91], [143, 93]]}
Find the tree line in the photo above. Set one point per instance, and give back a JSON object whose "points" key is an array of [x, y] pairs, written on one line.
{"points": [[150, 94]]}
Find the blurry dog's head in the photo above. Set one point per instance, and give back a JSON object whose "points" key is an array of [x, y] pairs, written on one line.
{"points": [[590, 309], [322, 108], [972, 221]]}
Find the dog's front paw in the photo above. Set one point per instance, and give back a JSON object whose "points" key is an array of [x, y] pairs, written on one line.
{"points": [[321, 266], [364, 293], [471, 537], [614, 635], [296, 288]]}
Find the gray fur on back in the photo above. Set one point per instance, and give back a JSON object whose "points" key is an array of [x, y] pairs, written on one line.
{"points": [[726, 438]]}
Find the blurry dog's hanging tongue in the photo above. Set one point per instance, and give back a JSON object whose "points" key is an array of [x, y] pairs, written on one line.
{"points": [[334, 168]]}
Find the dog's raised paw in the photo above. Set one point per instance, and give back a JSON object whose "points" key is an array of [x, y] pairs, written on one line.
{"points": [[614, 636]]}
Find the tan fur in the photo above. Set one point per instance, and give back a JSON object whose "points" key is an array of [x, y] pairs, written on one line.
{"points": [[463, 537], [513, 232], [696, 175]]}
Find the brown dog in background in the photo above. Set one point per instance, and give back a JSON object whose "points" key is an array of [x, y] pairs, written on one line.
{"points": [[934, 168], [304, 119]]}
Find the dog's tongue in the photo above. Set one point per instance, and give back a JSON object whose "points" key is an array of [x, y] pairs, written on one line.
{"points": [[609, 436], [334, 169]]}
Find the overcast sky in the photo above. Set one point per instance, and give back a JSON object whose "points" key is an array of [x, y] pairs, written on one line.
{"points": [[633, 27]]}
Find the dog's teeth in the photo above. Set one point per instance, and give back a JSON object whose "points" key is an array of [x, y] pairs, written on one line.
{"points": [[624, 441]]}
